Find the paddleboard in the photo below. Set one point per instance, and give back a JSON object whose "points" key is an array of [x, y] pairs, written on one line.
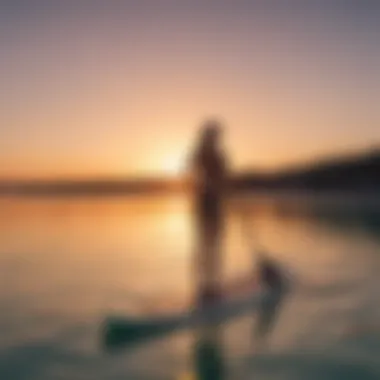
{"points": [[124, 330]]}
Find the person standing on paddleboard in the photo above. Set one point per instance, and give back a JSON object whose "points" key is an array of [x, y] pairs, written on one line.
{"points": [[210, 180]]}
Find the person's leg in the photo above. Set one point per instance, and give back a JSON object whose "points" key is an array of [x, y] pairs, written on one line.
{"points": [[208, 265]]}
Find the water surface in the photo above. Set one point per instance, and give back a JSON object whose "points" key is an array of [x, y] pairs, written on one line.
{"points": [[65, 264]]}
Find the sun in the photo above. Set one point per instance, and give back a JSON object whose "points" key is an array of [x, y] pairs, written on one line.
{"points": [[172, 166]]}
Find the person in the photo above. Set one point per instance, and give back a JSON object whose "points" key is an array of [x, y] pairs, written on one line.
{"points": [[210, 179]]}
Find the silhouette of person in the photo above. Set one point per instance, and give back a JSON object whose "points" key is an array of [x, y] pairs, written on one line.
{"points": [[209, 172]]}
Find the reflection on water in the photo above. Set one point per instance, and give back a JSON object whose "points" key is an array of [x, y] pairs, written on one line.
{"points": [[266, 318], [209, 361], [65, 264]]}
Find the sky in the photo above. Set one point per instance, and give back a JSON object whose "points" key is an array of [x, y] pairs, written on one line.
{"points": [[120, 88]]}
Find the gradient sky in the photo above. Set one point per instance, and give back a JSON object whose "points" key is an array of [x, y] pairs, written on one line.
{"points": [[120, 87]]}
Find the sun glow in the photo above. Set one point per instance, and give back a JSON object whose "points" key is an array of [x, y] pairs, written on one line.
{"points": [[172, 166]]}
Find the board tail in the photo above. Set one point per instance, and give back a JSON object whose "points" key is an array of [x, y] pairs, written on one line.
{"points": [[119, 331]]}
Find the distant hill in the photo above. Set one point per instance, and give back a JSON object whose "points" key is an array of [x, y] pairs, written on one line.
{"points": [[360, 172], [357, 172], [89, 187]]}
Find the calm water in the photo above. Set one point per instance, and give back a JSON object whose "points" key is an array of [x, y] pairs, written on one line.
{"points": [[67, 264]]}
